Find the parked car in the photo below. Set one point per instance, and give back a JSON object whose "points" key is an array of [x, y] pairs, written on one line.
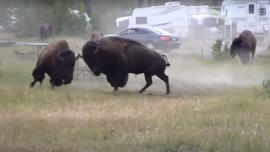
{"points": [[6, 42], [153, 38], [1, 28]]}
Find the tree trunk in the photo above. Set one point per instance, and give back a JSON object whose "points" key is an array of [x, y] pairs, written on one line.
{"points": [[142, 3], [88, 6]]}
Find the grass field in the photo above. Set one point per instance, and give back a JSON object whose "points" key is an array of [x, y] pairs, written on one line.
{"points": [[214, 107]]}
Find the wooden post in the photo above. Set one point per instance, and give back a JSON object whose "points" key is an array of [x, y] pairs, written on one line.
{"points": [[77, 69], [202, 52], [89, 5]]}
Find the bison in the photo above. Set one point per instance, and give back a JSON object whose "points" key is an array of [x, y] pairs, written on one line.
{"points": [[116, 57], [243, 46], [95, 36], [58, 61], [44, 31]]}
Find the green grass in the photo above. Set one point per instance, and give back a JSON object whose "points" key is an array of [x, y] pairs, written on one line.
{"points": [[72, 119]]}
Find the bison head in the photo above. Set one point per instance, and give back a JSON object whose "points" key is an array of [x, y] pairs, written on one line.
{"points": [[236, 47], [92, 57], [64, 67]]}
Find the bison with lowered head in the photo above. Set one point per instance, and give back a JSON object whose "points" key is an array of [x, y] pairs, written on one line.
{"points": [[58, 61], [243, 46], [116, 57]]}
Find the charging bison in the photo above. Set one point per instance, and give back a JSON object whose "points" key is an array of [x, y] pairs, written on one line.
{"points": [[58, 61], [116, 57], [243, 46]]}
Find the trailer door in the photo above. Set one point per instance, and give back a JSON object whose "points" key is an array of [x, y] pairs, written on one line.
{"points": [[250, 24], [251, 14]]}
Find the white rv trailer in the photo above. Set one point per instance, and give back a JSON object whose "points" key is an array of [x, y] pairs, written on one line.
{"points": [[242, 15], [172, 17]]}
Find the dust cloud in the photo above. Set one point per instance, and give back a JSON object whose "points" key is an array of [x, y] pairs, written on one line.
{"points": [[190, 73]]}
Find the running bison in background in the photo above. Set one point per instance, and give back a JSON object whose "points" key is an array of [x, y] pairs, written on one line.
{"points": [[116, 57], [58, 61], [44, 31], [243, 46]]}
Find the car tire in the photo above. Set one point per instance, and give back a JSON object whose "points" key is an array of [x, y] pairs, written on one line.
{"points": [[150, 45]]}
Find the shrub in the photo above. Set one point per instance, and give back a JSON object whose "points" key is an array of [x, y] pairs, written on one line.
{"points": [[219, 53], [266, 85]]}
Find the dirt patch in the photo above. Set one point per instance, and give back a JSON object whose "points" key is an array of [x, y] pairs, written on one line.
{"points": [[189, 75]]}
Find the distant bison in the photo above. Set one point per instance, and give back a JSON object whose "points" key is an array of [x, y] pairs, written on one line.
{"points": [[58, 61], [116, 57], [95, 36], [243, 46], [44, 31]]}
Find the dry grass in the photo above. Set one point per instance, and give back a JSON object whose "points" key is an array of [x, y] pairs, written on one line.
{"points": [[66, 120]]}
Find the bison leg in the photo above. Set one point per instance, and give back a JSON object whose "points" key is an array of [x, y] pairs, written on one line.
{"points": [[52, 83], [148, 79], [244, 57], [252, 55], [165, 78], [117, 80], [32, 83], [112, 81], [38, 75], [40, 83]]}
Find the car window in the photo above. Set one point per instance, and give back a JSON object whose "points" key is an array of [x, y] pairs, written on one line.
{"points": [[142, 31], [128, 32], [160, 31]]}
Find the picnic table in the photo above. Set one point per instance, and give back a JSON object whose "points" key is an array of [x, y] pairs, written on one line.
{"points": [[36, 47], [6, 42]]}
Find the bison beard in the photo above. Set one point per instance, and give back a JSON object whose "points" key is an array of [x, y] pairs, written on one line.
{"points": [[116, 57], [243, 46]]}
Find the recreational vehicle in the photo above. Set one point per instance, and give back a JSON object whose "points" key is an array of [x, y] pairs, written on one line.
{"points": [[172, 17], [242, 15]]}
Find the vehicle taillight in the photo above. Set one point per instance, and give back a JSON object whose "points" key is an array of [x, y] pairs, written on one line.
{"points": [[164, 38]]}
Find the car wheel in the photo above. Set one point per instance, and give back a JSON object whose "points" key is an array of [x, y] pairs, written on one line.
{"points": [[150, 45]]}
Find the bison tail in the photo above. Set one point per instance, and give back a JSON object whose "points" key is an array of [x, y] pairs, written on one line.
{"points": [[167, 61]]}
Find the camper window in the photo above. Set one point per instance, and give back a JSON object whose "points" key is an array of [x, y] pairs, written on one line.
{"points": [[251, 8], [141, 20], [262, 11]]}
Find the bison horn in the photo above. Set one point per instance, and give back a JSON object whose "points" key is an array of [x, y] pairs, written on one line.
{"points": [[78, 56]]}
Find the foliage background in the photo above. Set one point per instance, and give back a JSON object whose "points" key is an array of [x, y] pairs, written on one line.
{"points": [[23, 17]]}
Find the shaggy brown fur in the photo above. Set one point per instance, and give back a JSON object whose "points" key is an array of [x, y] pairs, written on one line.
{"points": [[57, 61], [243, 46], [116, 57]]}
